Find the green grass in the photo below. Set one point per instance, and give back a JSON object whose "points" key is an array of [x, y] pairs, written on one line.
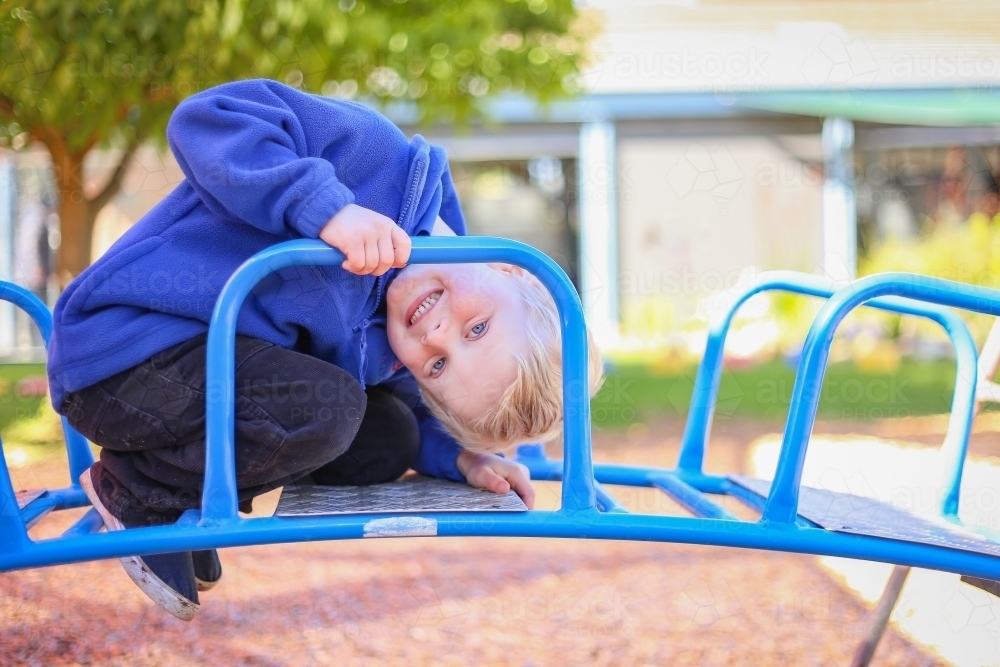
{"points": [[633, 394], [12, 406]]}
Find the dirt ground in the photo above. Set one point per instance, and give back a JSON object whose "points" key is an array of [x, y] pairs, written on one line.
{"points": [[462, 601]]}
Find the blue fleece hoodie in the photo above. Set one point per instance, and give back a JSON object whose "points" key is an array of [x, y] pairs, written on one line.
{"points": [[263, 163]]}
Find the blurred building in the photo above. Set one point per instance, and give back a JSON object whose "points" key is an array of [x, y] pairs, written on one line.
{"points": [[722, 138], [29, 226]]}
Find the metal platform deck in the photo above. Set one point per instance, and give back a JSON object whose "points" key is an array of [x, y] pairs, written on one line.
{"points": [[25, 498], [410, 494], [847, 513]]}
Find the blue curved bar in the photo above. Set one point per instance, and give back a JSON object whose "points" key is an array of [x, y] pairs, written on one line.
{"points": [[30, 304], [782, 502], [218, 525], [591, 525], [219, 503], [13, 528], [77, 449], [697, 430]]}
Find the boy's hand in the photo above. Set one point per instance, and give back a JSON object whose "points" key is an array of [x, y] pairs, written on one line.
{"points": [[497, 474], [372, 242]]}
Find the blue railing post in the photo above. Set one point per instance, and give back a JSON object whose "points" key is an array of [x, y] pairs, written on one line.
{"points": [[782, 502], [706, 384], [963, 411], [699, 422], [13, 533], [77, 450], [219, 496], [534, 451]]}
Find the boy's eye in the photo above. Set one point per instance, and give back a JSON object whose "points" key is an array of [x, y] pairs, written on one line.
{"points": [[438, 366], [479, 329]]}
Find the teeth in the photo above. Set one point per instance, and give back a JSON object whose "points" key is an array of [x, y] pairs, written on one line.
{"points": [[425, 306]]}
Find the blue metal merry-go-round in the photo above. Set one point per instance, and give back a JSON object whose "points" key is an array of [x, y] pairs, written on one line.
{"points": [[792, 518]]}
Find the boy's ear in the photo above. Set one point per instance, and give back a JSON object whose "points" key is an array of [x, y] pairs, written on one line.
{"points": [[510, 269], [515, 272]]}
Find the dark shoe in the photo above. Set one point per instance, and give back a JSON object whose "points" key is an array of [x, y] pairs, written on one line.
{"points": [[168, 579], [207, 568]]}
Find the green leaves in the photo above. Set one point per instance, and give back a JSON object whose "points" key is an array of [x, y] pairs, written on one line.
{"points": [[98, 71], [76, 74]]}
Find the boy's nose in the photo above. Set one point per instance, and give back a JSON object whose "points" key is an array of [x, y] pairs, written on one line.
{"points": [[436, 331]]}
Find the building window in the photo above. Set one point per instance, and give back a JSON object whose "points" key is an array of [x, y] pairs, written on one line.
{"points": [[906, 192], [533, 201]]}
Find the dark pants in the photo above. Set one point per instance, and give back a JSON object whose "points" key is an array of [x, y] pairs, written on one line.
{"points": [[296, 415]]}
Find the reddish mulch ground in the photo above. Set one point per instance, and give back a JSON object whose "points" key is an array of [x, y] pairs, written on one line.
{"points": [[458, 601]]}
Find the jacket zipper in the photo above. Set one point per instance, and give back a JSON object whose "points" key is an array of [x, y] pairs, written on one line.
{"points": [[367, 321]]}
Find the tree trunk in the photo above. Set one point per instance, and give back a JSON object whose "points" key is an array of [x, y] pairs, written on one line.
{"points": [[76, 217], [77, 212]]}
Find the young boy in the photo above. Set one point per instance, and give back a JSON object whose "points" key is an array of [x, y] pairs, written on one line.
{"points": [[331, 362]]}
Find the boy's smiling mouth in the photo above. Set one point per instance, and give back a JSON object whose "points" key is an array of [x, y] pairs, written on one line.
{"points": [[422, 305]]}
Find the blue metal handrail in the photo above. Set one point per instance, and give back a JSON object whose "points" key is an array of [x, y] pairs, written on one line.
{"points": [[782, 502], [13, 529], [13, 522], [219, 503], [219, 526], [697, 430], [77, 449]]}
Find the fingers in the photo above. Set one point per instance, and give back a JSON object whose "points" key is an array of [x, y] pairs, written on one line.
{"points": [[371, 242], [385, 254], [376, 249], [496, 483], [354, 254], [486, 471], [484, 477], [371, 254], [500, 477], [401, 245], [520, 481]]}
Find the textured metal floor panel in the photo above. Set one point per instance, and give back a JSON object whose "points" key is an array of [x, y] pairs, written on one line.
{"points": [[988, 585], [846, 513], [412, 494], [25, 497]]}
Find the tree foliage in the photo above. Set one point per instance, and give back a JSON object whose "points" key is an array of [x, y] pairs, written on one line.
{"points": [[76, 75]]}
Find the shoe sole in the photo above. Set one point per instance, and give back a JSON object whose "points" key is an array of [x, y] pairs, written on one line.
{"points": [[205, 585], [138, 572]]}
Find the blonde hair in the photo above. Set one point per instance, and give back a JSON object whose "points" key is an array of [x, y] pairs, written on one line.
{"points": [[531, 408]]}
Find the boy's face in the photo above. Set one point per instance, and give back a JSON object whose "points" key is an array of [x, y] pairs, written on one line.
{"points": [[456, 328]]}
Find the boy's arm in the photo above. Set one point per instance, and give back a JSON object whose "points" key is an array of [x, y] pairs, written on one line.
{"points": [[243, 150], [438, 450], [443, 457]]}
